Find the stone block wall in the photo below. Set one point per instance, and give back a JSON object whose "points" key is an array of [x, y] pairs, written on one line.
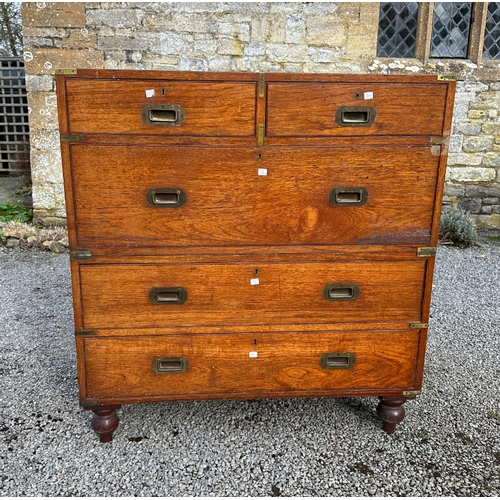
{"points": [[473, 174], [257, 37]]}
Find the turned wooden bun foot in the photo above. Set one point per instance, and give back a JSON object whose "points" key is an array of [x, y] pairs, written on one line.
{"points": [[105, 421], [391, 411]]}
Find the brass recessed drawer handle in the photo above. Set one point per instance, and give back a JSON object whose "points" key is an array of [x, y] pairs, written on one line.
{"points": [[338, 292], [355, 116], [348, 196], [166, 197], [338, 360], [162, 366], [167, 115], [167, 296]]}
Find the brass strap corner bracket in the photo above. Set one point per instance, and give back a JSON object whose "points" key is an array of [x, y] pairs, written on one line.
{"points": [[90, 403], [262, 84], [426, 251], [84, 333], [66, 71], [419, 325], [71, 138], [412, 393], [446, 78], [80, 255], [440, 140]]}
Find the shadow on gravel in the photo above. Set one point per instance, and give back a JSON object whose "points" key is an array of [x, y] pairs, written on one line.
{"points": [[448, 444]]}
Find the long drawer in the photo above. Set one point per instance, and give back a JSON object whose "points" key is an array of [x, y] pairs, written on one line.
{"points": [[115, 296], [153, 196], [168, 108], [357, 109], [193, 366]]}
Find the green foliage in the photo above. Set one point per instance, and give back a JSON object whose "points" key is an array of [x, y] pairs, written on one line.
{"points": [[11, 36], [457, 227], [10, 211]]}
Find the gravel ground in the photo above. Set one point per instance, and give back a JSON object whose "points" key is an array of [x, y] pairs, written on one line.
{"points": [[449, 443]]}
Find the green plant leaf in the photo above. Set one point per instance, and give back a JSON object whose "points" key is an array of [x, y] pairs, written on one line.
{"points": [[457, 226], [10, 211]]}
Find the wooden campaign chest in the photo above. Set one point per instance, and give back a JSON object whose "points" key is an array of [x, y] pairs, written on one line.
{"points": [[238, 235]]}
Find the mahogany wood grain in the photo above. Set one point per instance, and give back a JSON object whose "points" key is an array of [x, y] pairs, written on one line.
{"points": [[117, 295], [62, 114], [120, 74], [80, 364], [419, 371], [229, 203], [426, 307], [192, 140], [436, 219], [335, 141], [221, 363], [353, 78], [115, 107], [69, 195], [391, 411], [450, 101], [124, 331], [250, 395], [105, 421], [448, 115], [130, 74], [237, 225], [76, 295], [244, 254], [299, 109]]}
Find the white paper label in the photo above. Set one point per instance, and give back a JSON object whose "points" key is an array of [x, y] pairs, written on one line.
{"points": [[253, 354], [151, 93], [254, 281], [368, 95], [262, 171]]}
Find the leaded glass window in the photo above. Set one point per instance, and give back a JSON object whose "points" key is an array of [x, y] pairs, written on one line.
{"points": [[450, 29], [492, 32], [397, 29]]}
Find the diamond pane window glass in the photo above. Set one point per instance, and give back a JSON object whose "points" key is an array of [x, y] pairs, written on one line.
{"points": [[397, 29], [492, 32], [450, 29]]}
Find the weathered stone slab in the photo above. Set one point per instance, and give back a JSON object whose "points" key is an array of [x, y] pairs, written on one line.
{"points": [[54, 14], [472, 174], [45, 61]]}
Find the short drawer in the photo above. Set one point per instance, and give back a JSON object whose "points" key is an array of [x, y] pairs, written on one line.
{"points": [[122, 296], [193, 366], [178, 196], [155, 107], [336, 109]]}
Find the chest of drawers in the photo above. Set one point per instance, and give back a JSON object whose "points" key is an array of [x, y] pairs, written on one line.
{"points": [[238, 235]]}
